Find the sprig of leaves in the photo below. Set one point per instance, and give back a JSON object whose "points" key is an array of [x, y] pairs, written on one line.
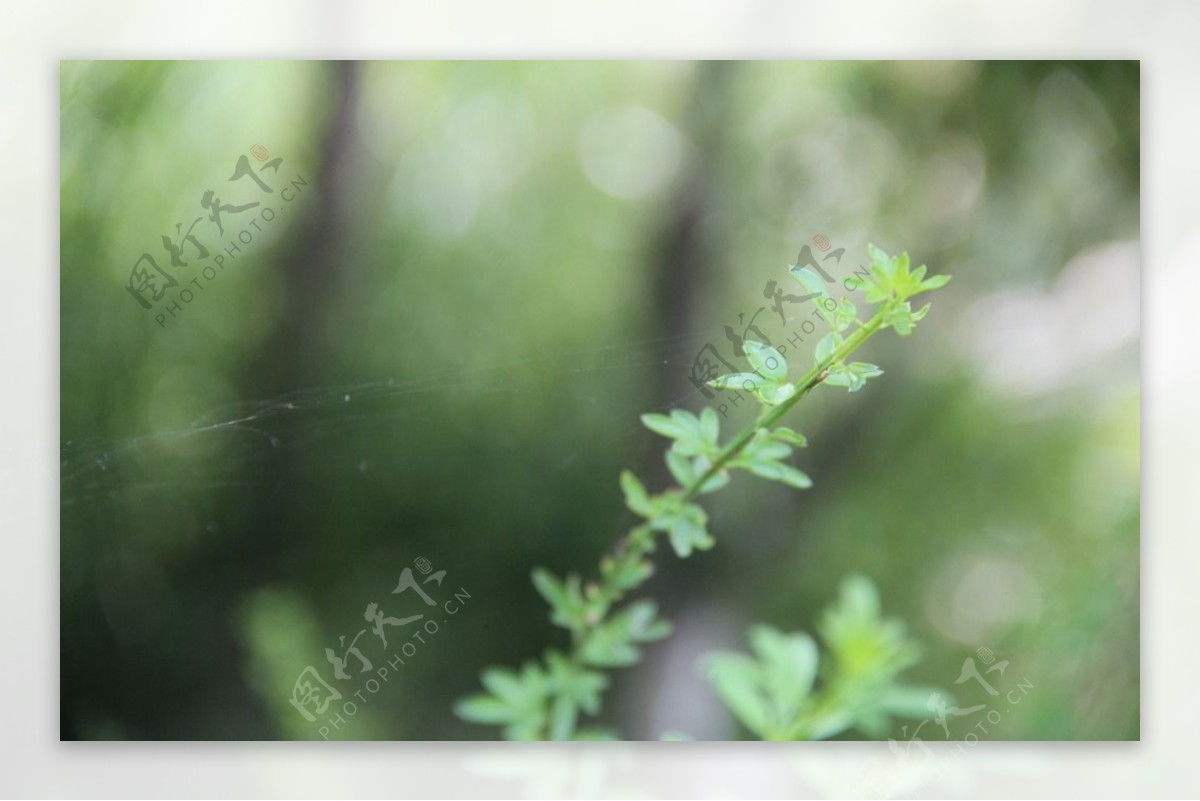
{"points": [[769, 381], [545, 699], [775, 693]]}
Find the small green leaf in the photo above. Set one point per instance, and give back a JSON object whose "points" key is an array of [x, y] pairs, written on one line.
{"points": [[661, 424], [900, 318], [774, 394], [795, 478], [715, 482], [765, 447], [853, 376], [483, 708], [862, 371], [682, 426], [788, 664], [859, 598], [826, 346], [605, 650], [743, 381], [688, 446], [710, 427], [838, 376], [689, 423], [777, 471], [881, 262], [845, 315], [568, 607], [506, 685], [829, 723], [563, 714], [767, 391], [550, 587], [517, 702], [635, 494], [613, 643], [687, 534], [681, 468], [815, 285], [735, 678], [765, 360], [581, 686], [640, 621], [626, 571], [866, 647], [718, 480], [526, 728], [883, 276], [790, 437]]}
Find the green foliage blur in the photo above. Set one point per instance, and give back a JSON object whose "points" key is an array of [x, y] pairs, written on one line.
{"points": [[440, 347], [774, 693]]}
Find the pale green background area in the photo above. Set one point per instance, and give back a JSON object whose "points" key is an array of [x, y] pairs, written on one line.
{"points": [[492, 322]]}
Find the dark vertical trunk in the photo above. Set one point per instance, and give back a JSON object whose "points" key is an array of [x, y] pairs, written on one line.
{"points": [[684, 261], [293, 356], [313, 261], [683, 266]]}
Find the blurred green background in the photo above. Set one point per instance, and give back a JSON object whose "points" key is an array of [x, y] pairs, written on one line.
{"points": [[441, 344]]}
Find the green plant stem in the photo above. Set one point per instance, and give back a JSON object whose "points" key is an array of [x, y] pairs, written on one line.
{"points": [[640, 540], [774, 414]]}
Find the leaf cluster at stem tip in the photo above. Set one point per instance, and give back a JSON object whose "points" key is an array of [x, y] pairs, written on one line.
{"points": [[778, 693]]}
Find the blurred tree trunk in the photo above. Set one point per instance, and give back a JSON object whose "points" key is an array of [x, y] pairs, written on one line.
{"points": [[683, 262], [310, 266], [276, 491], [293, 357], [683, 265]]}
